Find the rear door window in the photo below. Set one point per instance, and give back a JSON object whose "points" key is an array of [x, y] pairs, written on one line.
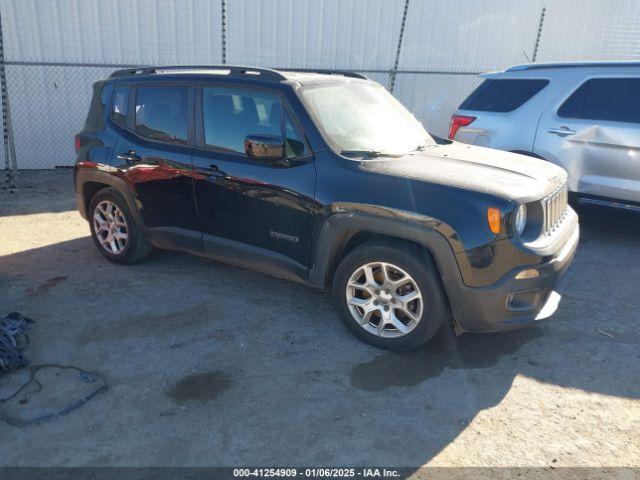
{"points": [[162, 113], [503, 95], [610, 99]]}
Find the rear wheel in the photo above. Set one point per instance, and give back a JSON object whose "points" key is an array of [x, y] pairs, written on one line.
{"points": [[389, 295], [113, 230]]}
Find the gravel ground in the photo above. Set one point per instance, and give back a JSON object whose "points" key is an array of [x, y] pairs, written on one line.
{"points": [[214, 365]]}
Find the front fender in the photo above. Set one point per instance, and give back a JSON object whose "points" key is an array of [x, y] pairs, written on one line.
{"points": [[437, 237]]}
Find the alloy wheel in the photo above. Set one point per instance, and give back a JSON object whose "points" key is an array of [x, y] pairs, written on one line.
{"points": [[384, 299], [110, 227]]}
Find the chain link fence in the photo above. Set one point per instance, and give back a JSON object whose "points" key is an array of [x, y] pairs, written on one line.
{"points": [[64, 93], [434, 96], [48, 86], [49, 99]]}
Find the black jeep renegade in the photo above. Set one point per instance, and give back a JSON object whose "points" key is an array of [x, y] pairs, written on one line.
{"points": [[324, 178]]}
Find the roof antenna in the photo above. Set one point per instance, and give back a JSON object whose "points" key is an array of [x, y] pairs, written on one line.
{"points": [[526, 56]]}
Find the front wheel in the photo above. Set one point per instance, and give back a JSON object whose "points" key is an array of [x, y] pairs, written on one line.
{"points": [[390, 295]]}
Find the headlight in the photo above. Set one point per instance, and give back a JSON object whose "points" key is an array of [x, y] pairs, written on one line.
{"points": [[520, 221]]}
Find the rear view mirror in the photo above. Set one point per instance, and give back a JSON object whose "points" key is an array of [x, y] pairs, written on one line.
{"points": [[268, 147]]}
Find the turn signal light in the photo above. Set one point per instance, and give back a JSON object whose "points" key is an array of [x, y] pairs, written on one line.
{"points": [[529, 273], [493, 217], [458, 121]]}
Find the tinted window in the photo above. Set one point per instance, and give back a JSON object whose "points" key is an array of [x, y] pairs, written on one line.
{"points": [[161, 113], [502, 95], [294, 145], [120, 105], [230, 114], [613, 99], [99, 102]]}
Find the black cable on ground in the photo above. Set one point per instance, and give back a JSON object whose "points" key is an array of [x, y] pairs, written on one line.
{"points": [[33, 385]]}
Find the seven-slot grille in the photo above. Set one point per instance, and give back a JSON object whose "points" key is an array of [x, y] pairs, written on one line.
{"points": [[555, 209]]}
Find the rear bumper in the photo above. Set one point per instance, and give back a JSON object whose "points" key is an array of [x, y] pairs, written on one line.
{"points": [[512, 303]]}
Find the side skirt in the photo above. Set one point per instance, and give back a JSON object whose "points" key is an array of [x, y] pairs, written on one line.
{"points": [[228, 251], [254, 258]]}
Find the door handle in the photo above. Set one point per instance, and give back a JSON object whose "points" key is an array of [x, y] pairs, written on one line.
{"points": [[214, 171], [129, 157], [562, 131]]}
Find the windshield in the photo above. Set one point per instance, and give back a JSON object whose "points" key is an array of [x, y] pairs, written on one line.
{"points": [[363, 119]]}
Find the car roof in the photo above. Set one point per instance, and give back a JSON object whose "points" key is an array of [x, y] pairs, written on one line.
{"points": [[558, 65], [301, 76], [548, 70]]}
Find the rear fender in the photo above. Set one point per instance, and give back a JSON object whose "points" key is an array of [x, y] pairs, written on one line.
{"points": [[91, 173]]}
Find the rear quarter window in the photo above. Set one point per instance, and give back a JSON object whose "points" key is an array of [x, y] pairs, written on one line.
{"points": [[503, 95], [99, 100], [611, 99], [120, 105]]}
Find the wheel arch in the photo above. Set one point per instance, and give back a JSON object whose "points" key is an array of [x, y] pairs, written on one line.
{"points": [[342, 232], [90, 181], [88, 191], [355, 238]]}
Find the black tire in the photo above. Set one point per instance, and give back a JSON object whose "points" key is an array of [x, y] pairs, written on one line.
{"points": [[419, 266], [136, 247]]}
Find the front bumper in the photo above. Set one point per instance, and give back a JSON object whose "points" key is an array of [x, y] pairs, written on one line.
{"points": [[512, 303]]}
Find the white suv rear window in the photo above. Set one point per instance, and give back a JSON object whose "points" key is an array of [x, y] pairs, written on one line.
{"points": [[502, 95]]}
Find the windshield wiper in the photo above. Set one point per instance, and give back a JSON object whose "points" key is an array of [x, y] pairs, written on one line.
{"points": [[366, 153]]}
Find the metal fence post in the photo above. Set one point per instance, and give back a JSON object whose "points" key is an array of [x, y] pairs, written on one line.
{"points": [[9, 148], [223, 5], [394, 70], [539, 36]]}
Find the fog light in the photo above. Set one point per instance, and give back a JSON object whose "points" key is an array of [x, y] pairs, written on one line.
{"points": [[530, 273], [523, 301]]}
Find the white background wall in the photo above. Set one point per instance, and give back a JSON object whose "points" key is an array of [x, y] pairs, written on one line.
{"points": [[49, 103]]}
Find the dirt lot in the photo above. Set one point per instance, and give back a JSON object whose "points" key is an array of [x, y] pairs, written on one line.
{"points": [[213, 365]]}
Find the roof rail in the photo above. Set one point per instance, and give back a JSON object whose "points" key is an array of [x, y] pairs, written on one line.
{"points": [[344, 73], [539, 66], [214, 69]]}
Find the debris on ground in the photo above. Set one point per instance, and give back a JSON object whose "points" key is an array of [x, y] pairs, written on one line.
{"points": [[69, 393], [73, 386], [13, 340], [606, 334]]}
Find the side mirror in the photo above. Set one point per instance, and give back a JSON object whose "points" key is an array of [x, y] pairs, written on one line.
{"points": [[268, 147]]}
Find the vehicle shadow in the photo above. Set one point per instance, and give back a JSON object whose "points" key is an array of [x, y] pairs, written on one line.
{"points": [[292, 387], [445, 351]]}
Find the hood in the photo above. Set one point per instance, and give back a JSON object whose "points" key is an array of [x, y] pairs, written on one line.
{"points": [[503, 174]]}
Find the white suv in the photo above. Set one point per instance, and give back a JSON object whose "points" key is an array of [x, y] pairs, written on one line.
{"points": [[584, 117]]}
